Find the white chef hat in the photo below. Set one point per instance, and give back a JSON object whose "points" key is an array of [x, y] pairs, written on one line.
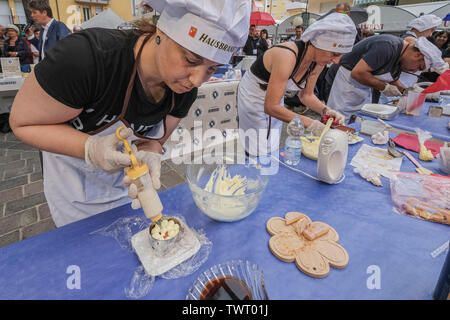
{"points": [[425, 22], [336, 32], [432, 54], [210, 28]]}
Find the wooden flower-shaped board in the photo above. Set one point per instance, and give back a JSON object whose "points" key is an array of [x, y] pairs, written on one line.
{"points": [[312, 245]]}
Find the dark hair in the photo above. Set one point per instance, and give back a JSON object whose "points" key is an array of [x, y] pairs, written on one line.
{"points": [[41, 5], [345, 4], [252, 25], [440, 33], [367, 33], [264, 31], [299, 27]]}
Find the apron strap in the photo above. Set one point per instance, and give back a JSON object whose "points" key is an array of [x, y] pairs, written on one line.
{"points": [[133, 76]]}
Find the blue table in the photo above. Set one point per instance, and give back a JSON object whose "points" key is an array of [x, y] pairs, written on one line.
{"points": [[438, 127], [361, 213]]}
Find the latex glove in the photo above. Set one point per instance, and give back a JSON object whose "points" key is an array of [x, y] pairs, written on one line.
{"points": [[132, 192], [441, 69], [101, 152], [335, 114], [316, 128], [153, 161], [391, 91], [402, 103], [381, 137]]}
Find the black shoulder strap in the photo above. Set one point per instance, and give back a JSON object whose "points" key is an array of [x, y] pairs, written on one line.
{"points": [[283, 47]]}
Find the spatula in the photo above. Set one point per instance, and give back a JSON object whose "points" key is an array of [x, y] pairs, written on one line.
{"points": [[419, 168]]}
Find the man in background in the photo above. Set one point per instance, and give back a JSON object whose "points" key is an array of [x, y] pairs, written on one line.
{"points": [[298, 34], [51, 30], [255, 45], [31, 37]]}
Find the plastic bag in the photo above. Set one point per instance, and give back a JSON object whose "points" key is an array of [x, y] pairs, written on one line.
{"points": [[381, 137], [423, 136], [421, 196], [123, 229], [370, 174]]}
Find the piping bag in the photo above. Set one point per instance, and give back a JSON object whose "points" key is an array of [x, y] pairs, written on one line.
{"points": [[139, 175], [442, 84]]}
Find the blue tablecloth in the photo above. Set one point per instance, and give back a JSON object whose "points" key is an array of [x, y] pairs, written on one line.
{"points": [[438, 127], [361, 213]]}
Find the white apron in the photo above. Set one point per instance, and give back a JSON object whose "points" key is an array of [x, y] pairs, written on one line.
{"points": [[75, 190], [259, 133], [348, 96]]}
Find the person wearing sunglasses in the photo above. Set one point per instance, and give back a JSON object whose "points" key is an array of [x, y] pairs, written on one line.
{"points": [[290, 66], [97, 80], [376, 63]]}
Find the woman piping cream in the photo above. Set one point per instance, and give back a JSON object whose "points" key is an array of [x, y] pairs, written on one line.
{"points": [[291, 65], [97, 80]]}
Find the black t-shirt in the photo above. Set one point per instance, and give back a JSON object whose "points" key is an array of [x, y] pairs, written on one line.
{"points": [[380, 52], [90, 70], [259, 44]]}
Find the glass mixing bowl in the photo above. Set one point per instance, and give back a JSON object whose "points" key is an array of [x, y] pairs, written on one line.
{"points": [[226, 207]]}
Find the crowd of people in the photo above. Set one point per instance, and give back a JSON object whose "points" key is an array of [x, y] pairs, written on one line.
{"points": [[27, 44]]}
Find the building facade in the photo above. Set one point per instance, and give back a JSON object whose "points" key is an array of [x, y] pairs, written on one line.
{"points": [[282, 9], [71, 12]]}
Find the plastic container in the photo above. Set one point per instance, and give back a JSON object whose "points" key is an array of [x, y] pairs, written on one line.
{"points": [[370, 128], [419, 87], [382, 111], [248, 274], [225, 208], [413, 99], [293, 146]]}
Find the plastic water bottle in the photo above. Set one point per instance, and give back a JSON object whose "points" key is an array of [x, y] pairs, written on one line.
{"points": [[293, 145]]}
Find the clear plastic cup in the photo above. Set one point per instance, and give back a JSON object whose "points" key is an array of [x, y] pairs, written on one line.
{"points": [[414, 102]]}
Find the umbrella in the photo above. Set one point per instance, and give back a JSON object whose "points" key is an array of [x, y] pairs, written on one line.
{"points": [[261, 19], [358, 15], [447, 17]]}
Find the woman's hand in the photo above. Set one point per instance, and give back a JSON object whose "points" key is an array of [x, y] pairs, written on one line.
{"points": [[335, 114], [316, 128], [101, 152], [153, 161]]}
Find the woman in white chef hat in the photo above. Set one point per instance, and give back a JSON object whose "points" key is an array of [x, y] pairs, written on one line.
{"points": [[96, 80], [423, 26], [295, 66]]}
